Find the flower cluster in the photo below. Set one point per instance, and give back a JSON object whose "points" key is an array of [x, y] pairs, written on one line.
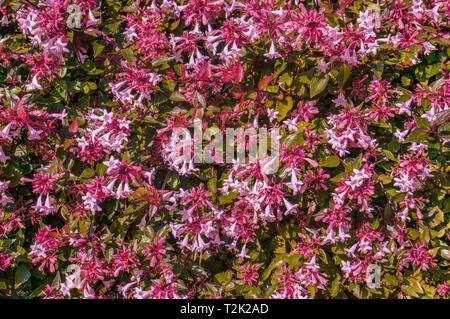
{"points": [[101, 197]]}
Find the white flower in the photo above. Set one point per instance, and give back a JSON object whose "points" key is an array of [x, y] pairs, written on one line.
{"points": [[272, 54], [400, 135]]}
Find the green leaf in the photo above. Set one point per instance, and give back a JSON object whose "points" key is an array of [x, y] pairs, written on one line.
{"points": [[169, 85], [378, 69], [212, 185], [280, 66], [284, 106], [134, 207], [444, 130], [276, 263], [21, 250], [61, 88], [318, 84], [198, 98], [407, 80], [161, 60], [432, 70], [177, 96], [88, 173], [375, 224], [71, 62], [394, 146], [390, 279], [429, 29], [99, 45], [173, 181], [413, 234], [338, 177], [409, 291], [101, 169], [228, 198], [389, 155], [421, 73], [442, 117], [5, 3], [385, 179], [415, 284], [57, 280], [332, 161], [22, 274], [418, 135], [343, 75], [445, 253], [278, 245], [334, 291], [88, 65], [110, 28], [128, 55], [287, 78], [224, 277], [356, 163], [306, 76]]}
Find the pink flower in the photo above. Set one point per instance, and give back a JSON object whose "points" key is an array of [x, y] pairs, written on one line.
{"points": [[34, 85], [340, 100], [406, 183], [272, 54], [3, 157]]}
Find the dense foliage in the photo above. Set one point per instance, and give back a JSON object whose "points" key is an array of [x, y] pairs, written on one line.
{"points": [[95, 205]]}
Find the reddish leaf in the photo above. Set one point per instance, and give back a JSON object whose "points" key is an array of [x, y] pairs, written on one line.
{"points": [[228, 77], [252, 95], [68, 142], [239, 74], [73, 127], [264, 82], [237, 92], [20, 111]]}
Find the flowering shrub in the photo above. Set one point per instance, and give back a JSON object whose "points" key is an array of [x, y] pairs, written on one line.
{"points": [[97, 200]]}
